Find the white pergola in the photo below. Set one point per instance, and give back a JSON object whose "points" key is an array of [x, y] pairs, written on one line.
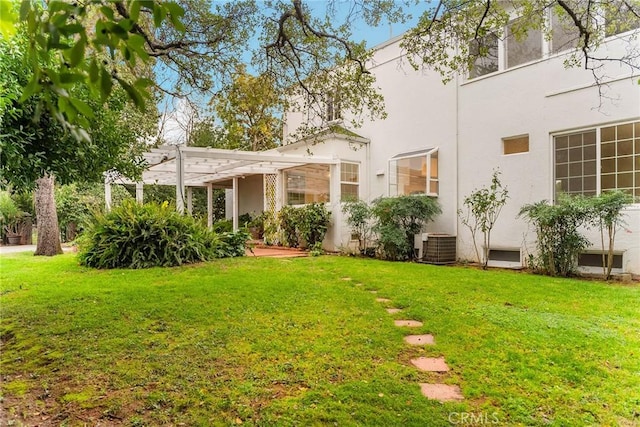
{"points": [[188, 167]]}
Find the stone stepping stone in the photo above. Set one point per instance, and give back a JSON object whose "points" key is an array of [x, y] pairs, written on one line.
{"points": [[441, 392], [430, 364], [383, 300], [426, 339], [408, 323], [393, 310], [373, 292]]}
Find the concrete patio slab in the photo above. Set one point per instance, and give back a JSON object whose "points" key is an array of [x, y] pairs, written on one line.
{"points": [[430, 364], [441, 392]]}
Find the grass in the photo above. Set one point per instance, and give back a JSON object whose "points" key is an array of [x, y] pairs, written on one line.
{"points": [[303, 342]]}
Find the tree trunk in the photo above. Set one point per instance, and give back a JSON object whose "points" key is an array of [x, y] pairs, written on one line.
{"points": [[47, 218]]}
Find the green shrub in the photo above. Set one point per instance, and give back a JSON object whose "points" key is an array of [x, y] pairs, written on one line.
{"points": [[559, 243], [359, 219], [288, 219], [398, 220], [142, 236], [313, 222]]}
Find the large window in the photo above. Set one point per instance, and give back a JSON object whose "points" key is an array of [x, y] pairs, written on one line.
{"points": [[414, 173], [349, 181], [519, 47], [307, 184], [610, 153], [485, 54], [564, 34]]}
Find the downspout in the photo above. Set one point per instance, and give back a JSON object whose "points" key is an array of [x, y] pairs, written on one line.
{"points": [[456, 151]]}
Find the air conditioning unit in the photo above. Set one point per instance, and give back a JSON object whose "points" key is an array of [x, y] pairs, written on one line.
{"points": [[439, 248]]}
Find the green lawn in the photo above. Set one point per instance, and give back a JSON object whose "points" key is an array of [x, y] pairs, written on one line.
{"points": [[303, 342]]}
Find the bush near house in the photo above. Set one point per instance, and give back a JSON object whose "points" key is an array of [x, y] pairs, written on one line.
{"points": [[307, 224], [398, 220], [142, 236], [559, 241]]}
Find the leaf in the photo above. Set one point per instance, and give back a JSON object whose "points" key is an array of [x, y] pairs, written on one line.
{"points": [[105, 83], [7, 19], [134, 11], [67, 78], [77, 53], [81, 107], [94, 71], [133, 93], [32, 87], [158, 15]]}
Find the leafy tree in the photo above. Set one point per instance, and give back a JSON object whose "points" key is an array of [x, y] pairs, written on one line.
{"points": [[250, 109], [483, 209], [36, 148]]}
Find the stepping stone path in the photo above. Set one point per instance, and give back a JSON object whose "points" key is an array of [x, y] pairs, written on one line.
{"points": [[408, 323], [426, 339], [439, 392], [430, 364]]}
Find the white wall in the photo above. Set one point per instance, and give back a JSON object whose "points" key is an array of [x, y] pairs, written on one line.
{"points": [[467, 120]]}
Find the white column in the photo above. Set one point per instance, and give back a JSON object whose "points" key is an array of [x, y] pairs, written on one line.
{"points": [[107, 195], [235, 204], [179, 180], [209, 205], [139, 192], [190, 200]]}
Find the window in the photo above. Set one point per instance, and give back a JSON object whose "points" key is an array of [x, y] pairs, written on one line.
{"points": [[564, 34], [349, 181], [575, 160], [619, 18], [414, 173], [307, 184], [485, 54], [333, 107], [521, 48], [611, 153], [518, 144]]}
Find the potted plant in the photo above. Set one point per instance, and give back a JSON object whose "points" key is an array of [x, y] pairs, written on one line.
{"points": [[11, 218]]}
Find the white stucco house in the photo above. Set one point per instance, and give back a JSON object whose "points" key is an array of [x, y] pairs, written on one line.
{"points": [[546, 128]]}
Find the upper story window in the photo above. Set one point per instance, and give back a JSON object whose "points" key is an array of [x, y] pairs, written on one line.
{"points": [[619, 18], [520, 46], [414, 173], [349, 181], [307, 184], [579, 163], [333, 111], [564, 34], [485, 52]]}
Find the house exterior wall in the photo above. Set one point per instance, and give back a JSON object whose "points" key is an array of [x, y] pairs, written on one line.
{"points": [[467, 121]]}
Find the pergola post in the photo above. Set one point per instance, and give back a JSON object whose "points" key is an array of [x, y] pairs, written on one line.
{"points": [[139, 192], [190, 200], [179, 180], [107, 194], [210, 205], [235, 204]]}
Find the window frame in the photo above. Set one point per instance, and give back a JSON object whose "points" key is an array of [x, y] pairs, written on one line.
{"points": [[635, 139], [286, 188], [428, 153], [355, 184]]}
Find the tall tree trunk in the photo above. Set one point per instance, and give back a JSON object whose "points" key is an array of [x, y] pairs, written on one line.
{"points": [[47, 217]]}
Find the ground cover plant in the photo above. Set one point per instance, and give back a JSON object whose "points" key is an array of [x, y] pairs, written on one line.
{"points": [[303, 341]]}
